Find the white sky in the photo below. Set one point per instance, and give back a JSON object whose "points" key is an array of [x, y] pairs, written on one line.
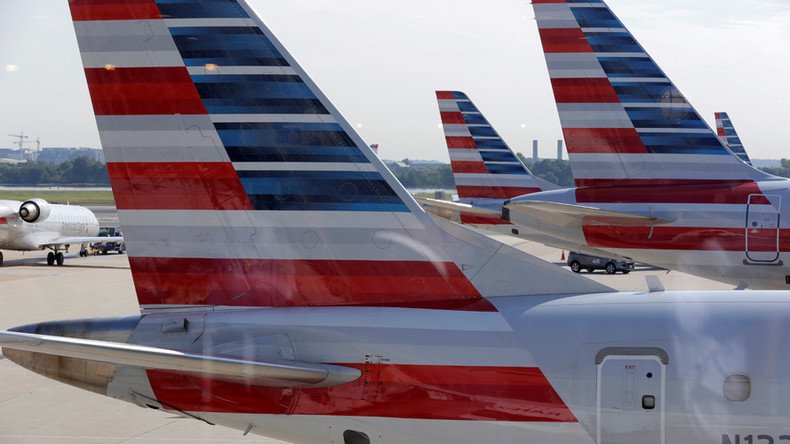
{"points": [[380, 62]]}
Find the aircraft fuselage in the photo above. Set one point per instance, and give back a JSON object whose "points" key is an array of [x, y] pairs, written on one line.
{"points": [[63, 220]]}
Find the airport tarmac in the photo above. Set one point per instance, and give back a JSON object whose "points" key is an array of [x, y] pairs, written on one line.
{"points": [[34, 409]]}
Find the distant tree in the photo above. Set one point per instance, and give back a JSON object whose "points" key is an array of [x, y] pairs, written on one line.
{"points": [[555, 171], [80, 171], [783, 170]]}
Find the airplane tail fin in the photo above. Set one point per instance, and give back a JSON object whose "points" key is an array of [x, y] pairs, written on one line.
{"points": [[238, 183], [726, 130], [624, 121], [484, 166]]}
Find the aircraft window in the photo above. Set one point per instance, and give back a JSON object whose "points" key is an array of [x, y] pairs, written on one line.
{"points": [[737, 387], [354, 437], [787, 279], [648, 402]]}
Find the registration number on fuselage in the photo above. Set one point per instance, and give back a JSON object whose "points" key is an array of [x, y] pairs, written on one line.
{"points": [[753, 439]]}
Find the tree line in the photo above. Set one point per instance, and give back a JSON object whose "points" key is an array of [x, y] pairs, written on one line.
{"points": [[84, 171], [81, 171]]}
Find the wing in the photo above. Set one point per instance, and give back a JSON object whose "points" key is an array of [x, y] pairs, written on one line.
{"points": [[267, 373], [567, 214], [75, 240]]}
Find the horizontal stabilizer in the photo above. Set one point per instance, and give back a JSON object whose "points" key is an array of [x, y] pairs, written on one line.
{"points": [[457, 207], [566, 214], [271, 373]]}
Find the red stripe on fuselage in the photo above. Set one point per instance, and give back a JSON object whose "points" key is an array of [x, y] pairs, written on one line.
{"points": [[479, 220], [513, 394], [603, 140], [591, 90], [564, 40], [82, 10], [298, 283], [177, 186], [141, 91], [482, 192], [667, 191], [459, 167], [686, 238]]}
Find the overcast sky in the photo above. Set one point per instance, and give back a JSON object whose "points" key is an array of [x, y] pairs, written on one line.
{"points": [[380, 62]]}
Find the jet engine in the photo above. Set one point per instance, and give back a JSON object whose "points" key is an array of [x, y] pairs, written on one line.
{"points": [[34, 210]]}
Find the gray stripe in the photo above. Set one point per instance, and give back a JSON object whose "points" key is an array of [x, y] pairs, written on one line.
{"points": [[494, 180], [593, 115], [271, 243]]}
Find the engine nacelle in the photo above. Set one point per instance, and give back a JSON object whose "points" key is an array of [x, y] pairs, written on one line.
{"points": [[35, 210]]}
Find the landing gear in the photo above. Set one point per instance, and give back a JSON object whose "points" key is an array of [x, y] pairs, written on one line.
{"points": [[1, 258], [51, 258], [59, 258], [55, 258]]}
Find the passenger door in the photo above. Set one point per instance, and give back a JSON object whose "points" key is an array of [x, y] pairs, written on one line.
{"points": [[762, 228], [630, 401]]}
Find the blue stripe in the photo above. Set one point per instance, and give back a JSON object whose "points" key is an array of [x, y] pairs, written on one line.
{"points": [[350, 154], [482, 131], [498, 156], [683, 143], [475, 119], [268, 135], [226, 46], [681, 118], [491, 144], [630, 67], [647, 92], [467, 107], [457, 95], [202, 9], [596, 18], [612, 42], [506, 169]]}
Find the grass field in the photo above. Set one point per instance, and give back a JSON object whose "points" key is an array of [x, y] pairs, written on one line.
{"points": [[74, 197]]}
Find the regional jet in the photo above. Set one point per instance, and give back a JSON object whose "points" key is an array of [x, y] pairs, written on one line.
{"points": [[291, 287], [36, 225], [653, 181]]}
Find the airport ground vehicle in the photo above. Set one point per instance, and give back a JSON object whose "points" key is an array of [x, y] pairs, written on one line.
{"points": [[304, 295], [581, 261], [106, 247]]}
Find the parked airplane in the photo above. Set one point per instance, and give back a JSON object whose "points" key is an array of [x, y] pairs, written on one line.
{"points": [[726, 130], [291, 287], [487, 173], [653, 181], [38, 225]]}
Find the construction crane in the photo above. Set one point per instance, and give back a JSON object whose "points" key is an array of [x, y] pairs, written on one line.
{"points": [[21, 142]]}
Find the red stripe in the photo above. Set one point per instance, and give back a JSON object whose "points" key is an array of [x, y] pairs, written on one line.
{"points": [[685, 238], [461, 143], [296, 283], [113, 10], [720, 131], [3, 221], [603, 140], [128, 91], [453, 118], [513, 394], [468, 167], [445, 95], [177, 186], [564, 40], [494, 192], [479, 220], [718, 115], [667, 191], [584, 91]]}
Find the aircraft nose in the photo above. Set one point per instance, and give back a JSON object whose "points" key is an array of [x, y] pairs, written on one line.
{"points": [[89, 375]]}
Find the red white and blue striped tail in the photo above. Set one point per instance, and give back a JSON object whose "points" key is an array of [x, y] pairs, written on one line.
{"points": [[726, 130], [239, 184], [624, 121], [484, 166]]}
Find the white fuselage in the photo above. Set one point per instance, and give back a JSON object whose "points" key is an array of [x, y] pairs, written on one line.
{"points": [[63, 221]]}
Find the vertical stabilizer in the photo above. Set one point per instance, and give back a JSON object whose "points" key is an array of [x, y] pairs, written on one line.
{"points": [[726, 130], [237, 181], [624, 121]]}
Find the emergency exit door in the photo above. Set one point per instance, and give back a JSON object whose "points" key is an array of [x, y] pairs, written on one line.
{"points": [[763, 216], [631, 400]]}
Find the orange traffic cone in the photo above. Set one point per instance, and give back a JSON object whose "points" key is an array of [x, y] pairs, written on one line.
{"points": [[563, 255]]}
